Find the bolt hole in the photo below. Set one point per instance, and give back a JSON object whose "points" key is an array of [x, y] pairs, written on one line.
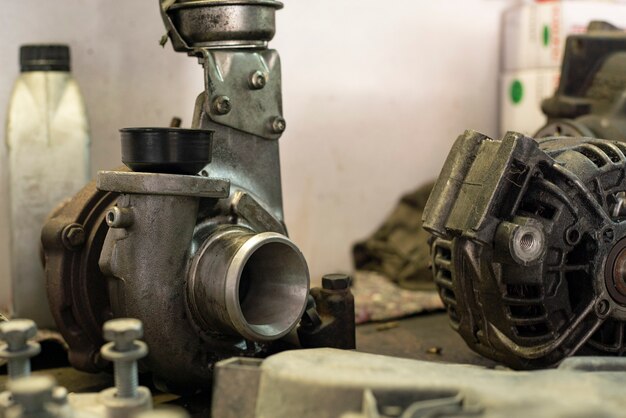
{"points": [[573, 236], [528, 242], [602, 307], [204, 173], [110, 217]]}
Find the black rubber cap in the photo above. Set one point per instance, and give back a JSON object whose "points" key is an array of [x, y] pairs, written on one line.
{"points": [[166, 150], [45, 58]]}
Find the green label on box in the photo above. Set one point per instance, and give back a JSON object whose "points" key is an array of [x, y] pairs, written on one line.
{"points": [[517, 91], [546, 35]]}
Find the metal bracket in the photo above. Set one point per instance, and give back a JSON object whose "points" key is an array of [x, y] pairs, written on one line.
{"points": [[248, 208], [232, 97]]}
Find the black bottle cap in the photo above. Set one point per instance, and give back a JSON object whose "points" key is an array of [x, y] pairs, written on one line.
{"points": [[45, 58]]}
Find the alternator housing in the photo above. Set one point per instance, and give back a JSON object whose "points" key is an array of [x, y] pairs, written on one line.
{"points": [[529, 248]]}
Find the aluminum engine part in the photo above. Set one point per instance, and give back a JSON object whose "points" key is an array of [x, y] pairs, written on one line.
{"points": [[530, 246], [202, 260], [330, 383], [590, 99]]}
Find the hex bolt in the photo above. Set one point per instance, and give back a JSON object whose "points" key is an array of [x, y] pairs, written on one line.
{"points": [[73, 236], [336, 281], [257, 80], [278, 125], [222, 105], [32, 393], [18, 350], [124, 349]]}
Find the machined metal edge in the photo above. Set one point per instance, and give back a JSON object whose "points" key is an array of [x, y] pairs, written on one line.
{"points": [[225, 313], [209, 3], [234, 273], [162, 184]]}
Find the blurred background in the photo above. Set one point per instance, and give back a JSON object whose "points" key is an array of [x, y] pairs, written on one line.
{"points": [[374, 95]]}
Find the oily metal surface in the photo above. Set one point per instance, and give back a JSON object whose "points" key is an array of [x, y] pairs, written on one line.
{"points": [[161, 222], [250, 109], [202, 23], [523, 230], [146, 281], [325, 322], [162, 184], [72, 240]]}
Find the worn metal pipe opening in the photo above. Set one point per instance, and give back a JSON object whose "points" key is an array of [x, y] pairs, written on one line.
{"points": [[252, 285]]}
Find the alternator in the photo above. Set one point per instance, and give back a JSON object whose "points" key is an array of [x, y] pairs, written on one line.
{"points": [[529, 253]]}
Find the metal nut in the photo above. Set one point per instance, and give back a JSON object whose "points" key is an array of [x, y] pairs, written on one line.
{"points": [[123, 332], [257, 80], [278, 125], [17, 332], [336, 281], [222, 105], [73, 236]]}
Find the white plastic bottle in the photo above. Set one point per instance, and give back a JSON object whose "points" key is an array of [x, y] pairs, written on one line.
{"points": [[48, 144]]}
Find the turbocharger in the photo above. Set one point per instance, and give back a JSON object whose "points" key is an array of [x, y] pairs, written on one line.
{"points": [[191, 239]]}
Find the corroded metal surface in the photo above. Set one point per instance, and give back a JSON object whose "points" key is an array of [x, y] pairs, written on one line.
{"points": [[197, 252], [77, 289], [527, 255]]}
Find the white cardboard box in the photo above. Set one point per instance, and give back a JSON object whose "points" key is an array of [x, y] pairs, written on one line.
{"points": [[521, 93], [534, 33]]}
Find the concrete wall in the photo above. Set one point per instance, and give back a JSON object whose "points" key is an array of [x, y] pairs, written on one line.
{"points": [[374, 92]]}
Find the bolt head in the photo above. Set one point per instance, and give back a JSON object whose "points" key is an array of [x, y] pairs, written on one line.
{"points": [[32, 392], [257, 80], [336, 281], [123, 332], [279, 125], [76, 236], [603, 307], [608, 235], [222, 105], [17, 332]]}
